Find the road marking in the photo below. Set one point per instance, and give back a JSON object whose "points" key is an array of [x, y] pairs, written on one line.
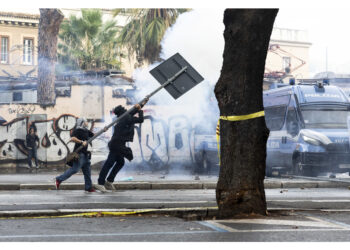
{"points": [[105, 202], [280, 222], [158, 233], [100, 235], [334, 210], [291, 230], [119, 193], [212, 226], [326, 220], [217, 226], [308, 200]]}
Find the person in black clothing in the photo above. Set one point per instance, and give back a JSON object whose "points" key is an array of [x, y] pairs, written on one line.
{"points": [[123, 132], [80, 136], [31, 140]]}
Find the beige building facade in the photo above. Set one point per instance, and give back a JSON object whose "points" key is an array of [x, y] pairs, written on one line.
{"points": [[288, 54], [18, 44]]}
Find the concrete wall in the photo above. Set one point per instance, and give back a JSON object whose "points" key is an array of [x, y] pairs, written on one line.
{"points": [[162, 140], [28, 96], [89, 101], [157, 144]]}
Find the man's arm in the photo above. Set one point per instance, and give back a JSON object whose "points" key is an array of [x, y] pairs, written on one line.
{"points": [[37, 139], [138, 119], [76, 140]]}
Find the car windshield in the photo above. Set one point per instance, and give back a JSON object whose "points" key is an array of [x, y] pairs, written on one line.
{"points": [[325, 118]]}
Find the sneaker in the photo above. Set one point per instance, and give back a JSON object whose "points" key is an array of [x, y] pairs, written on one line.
{"points": [[110, 186], [37, 167], [100, 188], [91, 190], [57, 184]]}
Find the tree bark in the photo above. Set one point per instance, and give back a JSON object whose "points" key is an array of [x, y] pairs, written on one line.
{"points": [[240, 188], [49, 24]]}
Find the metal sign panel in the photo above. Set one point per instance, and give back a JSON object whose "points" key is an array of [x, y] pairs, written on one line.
{"points": [[184, 82]]}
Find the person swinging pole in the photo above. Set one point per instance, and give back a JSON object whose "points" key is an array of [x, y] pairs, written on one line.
{"points": [[123, 133], [177, 77]]}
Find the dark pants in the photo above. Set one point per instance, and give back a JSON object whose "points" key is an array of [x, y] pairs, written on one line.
{"points": [[84, 164], [32, 154], [114, 159]]}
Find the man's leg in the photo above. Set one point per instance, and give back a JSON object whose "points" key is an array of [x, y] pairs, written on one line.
{"points": [[35, 155], [30, 155], [86, 168], [117, 167], [73, 170], [106, 167]]}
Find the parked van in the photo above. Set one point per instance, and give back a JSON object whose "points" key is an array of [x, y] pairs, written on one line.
{"points": [[308, 129]]}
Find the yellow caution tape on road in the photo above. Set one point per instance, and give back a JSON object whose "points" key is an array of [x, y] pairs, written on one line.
{"points": [[234, 118], [90, 214], [103, 213]]}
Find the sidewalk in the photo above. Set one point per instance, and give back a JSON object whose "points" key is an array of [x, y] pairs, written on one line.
{"points": [[37, 180]]}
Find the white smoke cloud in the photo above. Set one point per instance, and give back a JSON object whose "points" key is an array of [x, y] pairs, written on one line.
{"points": [[198, 36]]}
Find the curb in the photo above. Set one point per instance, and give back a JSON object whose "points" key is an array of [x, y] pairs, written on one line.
{"points": [[65, 213], [9, 186], [140, 185]]}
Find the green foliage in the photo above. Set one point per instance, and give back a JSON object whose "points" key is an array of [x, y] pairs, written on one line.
{"points": [[145, 30], [87, 43]]}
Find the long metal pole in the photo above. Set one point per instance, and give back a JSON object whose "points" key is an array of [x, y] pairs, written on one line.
{"points": [[141, 103]]}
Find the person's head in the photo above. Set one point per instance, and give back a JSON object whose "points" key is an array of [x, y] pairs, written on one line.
{"points": [[119, 110], [31, 130], [82, 122]]}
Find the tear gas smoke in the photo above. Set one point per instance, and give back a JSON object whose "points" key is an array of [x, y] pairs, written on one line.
{"points": [[198, 36]]}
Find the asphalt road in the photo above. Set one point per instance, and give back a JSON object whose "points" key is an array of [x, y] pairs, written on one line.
{"points": [[297, 226], [294, 215], [294, 198]]}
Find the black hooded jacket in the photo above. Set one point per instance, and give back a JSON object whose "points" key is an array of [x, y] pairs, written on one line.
{"points": [[124, 129], [30, 140]]}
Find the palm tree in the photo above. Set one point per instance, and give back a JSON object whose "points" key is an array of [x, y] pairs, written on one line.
{"points": [[145, 30], [88, 43]]}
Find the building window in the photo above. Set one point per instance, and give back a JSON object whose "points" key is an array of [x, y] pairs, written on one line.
{"points": [[4, 45], [286, 64], [28, 51], [17, 96]]}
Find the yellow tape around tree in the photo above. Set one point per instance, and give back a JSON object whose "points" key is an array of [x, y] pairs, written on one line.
{"points": [[234, 118]]}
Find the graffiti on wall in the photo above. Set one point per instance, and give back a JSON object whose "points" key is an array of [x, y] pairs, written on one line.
{"points": [[157, 144], [54, 138], [21, 109]]}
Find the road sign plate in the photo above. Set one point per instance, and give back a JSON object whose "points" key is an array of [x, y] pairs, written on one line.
{"points": [[184, 82]]}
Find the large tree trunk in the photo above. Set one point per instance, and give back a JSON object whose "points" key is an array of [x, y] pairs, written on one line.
{"points": [[49, 24], [240, 188]]}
